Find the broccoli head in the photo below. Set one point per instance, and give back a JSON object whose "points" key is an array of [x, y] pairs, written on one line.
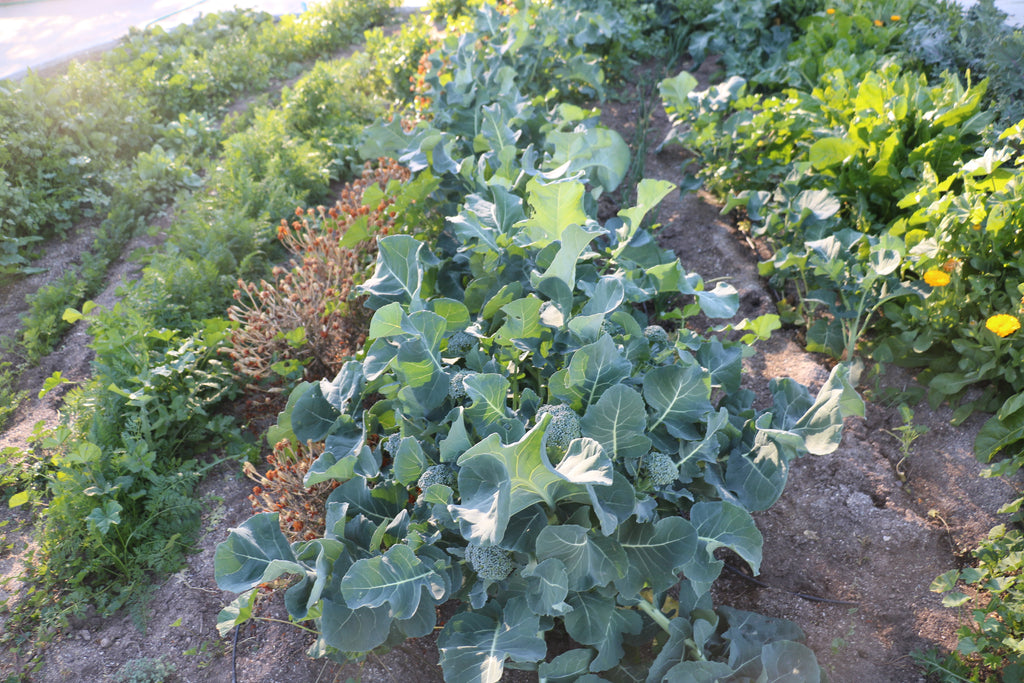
{"points": [[438, 474], [656, 335], [661, 469], [489, 562], [461, 343], [563, 428], [456, 389], [392, 443]]}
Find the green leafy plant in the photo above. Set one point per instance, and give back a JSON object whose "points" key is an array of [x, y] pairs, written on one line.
{"points": [[542, 526], [992, 643]]}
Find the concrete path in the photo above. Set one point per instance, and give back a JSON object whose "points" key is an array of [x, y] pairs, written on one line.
{"points": [[37, 33]]}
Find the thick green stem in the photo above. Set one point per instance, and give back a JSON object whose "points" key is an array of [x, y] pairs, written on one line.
{"points": [[654, 613]]}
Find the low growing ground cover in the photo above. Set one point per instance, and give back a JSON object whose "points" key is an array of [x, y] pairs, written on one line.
{"points": [[526, 410]]}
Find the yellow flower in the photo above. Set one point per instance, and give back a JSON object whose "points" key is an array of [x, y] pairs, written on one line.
{"points": [[1003, 324], [830, 11], [895, 17], [878, 22], [936, 278]]}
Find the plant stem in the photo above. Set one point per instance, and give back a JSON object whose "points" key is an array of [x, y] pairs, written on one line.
{"points": [[654, 613]]}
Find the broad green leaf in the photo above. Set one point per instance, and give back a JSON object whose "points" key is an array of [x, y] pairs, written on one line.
{"points": [[554, 207], [589, 560], [489, 414], [313, 416], [832, 151], [474, 645], [679, 397], [656, 553], [618, 421], [674, 92], [398, 275], [522, 327], [486, 493], [747, 635], [387, 321], [822, 425], [599, 151], [595, 368], [613, 504], [397, 578], [721, 524], [409, 462], [547, 587], [821, 203], [345, 455], [758, 477], [105, 516], [567, 667], [254, 553], [699, 672], [345, 388], [573, 242], [530, 473], [354, 630], [237, 612], [19, 498], [456, 441], [596, 620], [788, 662], [998, 434], [649, 194], [454, 313]]}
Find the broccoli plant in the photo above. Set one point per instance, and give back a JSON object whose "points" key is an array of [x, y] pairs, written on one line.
{"points": [[593, 540]]}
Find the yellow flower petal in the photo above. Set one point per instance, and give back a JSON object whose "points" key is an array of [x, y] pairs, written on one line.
{"points": [[878, 22], [830, 11], [1003, 324], [895, 17], [936, 278]]}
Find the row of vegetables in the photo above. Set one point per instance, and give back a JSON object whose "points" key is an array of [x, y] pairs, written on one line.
{"points": [[514, 433]]}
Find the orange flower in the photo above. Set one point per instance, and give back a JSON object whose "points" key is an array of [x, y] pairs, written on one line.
{"points": [[830, 11], [1003, 324], [936, 278], [895, 17], [878, 22]]}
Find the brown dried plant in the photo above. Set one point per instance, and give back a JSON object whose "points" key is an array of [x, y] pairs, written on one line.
{"points": [[310, 313], [301, 509]]}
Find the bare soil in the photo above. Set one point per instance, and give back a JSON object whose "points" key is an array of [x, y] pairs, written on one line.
{"points": [[850, 548]]}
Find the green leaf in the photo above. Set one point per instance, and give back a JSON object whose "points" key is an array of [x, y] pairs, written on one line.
{"points": [[596, 620], [567, 667], [313, 416], [397, 578], [409, 462], [489, 414], [832, 151], [679, 398], [573, 242], [19, 498], [554, 207], [789, 662], [595, 368], [722, 524], [657, 552], [822, 425], [547, 587], [398, 275], [618, 421], [485, 492], [589, 560], [674, 92], [254, 553], [600, 151], [106, 516], [354, 630], [474, 645], [237, 612]]}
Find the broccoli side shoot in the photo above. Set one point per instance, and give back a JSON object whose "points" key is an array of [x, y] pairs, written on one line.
{"points": [[438, 474], [563, 428], [489, 562], [461, 343], [656, 336], [456, 389], [661, 469], [392, 443]]}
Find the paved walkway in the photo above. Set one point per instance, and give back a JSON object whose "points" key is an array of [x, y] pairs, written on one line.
{"points": [[38, 33]]}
